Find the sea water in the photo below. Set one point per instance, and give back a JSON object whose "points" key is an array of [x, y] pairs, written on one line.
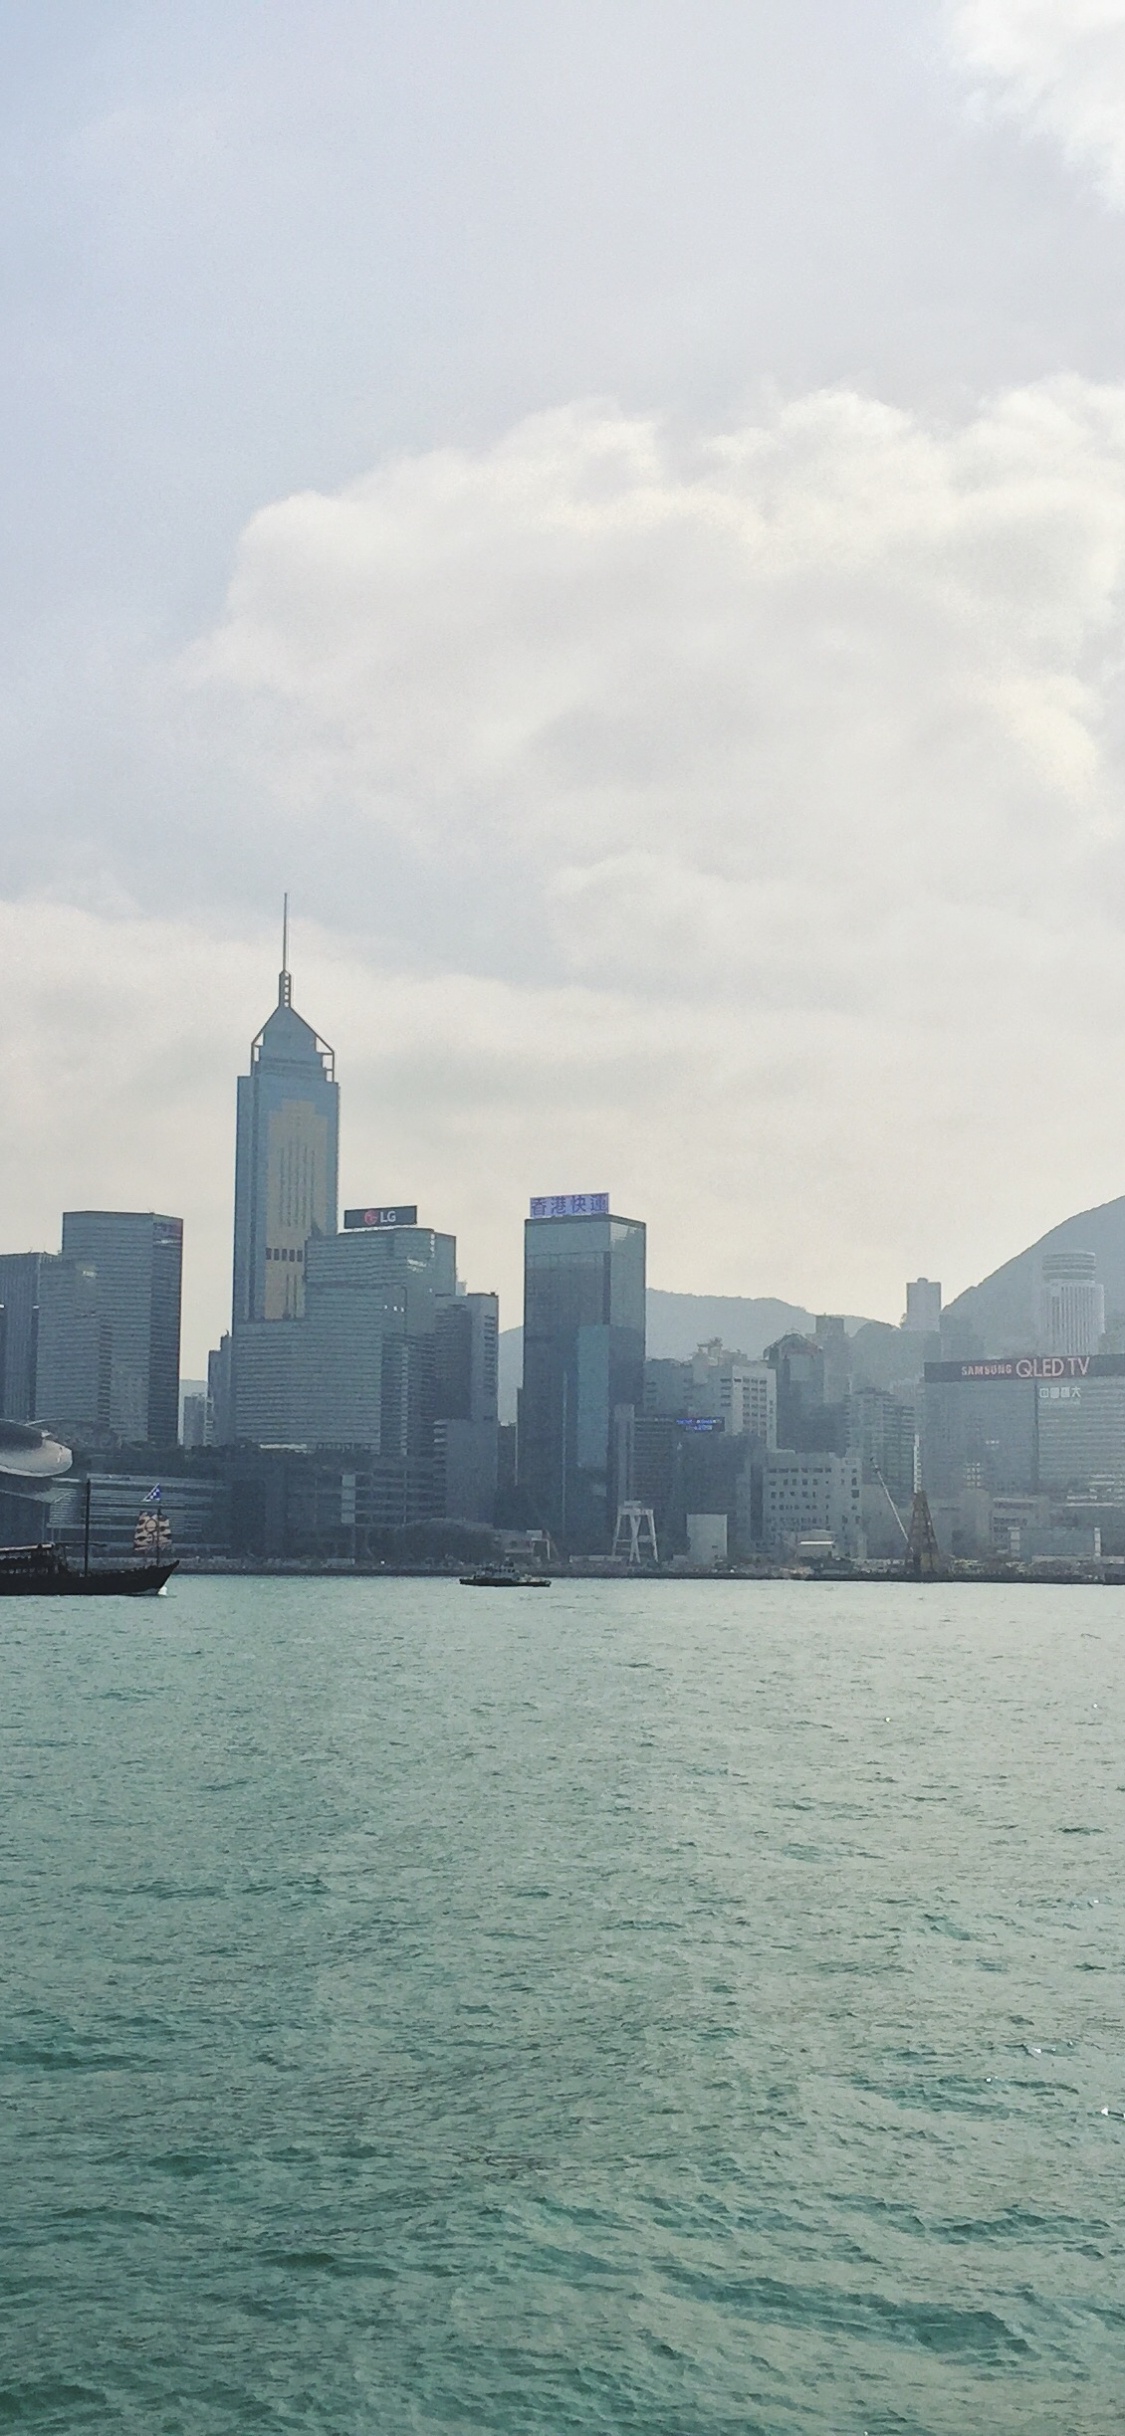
{"points": [[683, 2008]]}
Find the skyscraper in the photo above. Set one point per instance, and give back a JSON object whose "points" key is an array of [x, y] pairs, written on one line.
{"points": [[369, 1365], [136, 1260], [74, 1368], [466, 1342], [583, 1364], [923, 1306], [285, 1159], [19, 1331], [1072, 1312]]}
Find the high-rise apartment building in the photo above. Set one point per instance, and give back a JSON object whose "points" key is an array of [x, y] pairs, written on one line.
{"points": [[716, 1385], [583, 1364], [923, 1307], [1072, 1308], [108, 1342], [286, 1157], [831, 1334]]}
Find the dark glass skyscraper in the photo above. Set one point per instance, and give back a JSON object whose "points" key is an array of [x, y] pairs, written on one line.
{"points": [[285, 1161], [136, 1257], [583, 1370], [19, 1330]]}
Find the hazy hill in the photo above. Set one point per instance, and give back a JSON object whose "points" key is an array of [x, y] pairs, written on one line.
{"points": [[676, 1324], [1001, 1311]]}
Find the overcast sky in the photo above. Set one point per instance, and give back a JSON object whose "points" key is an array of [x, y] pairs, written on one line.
{"points": [[620, 508]]}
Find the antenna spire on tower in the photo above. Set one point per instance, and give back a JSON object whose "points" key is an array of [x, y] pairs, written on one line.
{"points": [[284, 981]]}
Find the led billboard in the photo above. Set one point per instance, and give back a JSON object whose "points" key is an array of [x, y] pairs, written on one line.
{"points": [[399, 1215], [570, 1205]]}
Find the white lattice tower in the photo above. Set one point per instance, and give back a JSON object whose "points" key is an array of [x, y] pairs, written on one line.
{"points": [[635, 1536]]}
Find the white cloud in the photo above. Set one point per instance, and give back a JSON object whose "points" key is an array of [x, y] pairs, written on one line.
{"points": [[777, 778], [831, 645], [1060, 66]]}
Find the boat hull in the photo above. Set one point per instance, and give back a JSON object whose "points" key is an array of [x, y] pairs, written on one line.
{"points": [[102, 1582]]}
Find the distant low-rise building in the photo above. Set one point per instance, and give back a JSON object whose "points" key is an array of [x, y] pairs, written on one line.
{"points": [[810, 1492], [727, 1387]]}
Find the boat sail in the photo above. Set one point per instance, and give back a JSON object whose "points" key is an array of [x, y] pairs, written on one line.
{"points": [[152, 1536]]}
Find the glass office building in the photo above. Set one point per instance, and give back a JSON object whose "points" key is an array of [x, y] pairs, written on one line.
{"points": [[286, 1160], [19, 1333], [583, 1367], [357, 1368], [136, 1259]]}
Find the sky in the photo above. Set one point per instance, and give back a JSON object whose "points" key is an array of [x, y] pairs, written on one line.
{"points": [[620, 510]]}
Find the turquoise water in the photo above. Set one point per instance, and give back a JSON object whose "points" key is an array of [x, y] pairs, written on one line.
{"points": [[690, 2010]]}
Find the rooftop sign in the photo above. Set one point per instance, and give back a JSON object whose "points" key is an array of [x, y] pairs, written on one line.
{"points": [[1028, 1366], [400, 1215], [571, 1205]]}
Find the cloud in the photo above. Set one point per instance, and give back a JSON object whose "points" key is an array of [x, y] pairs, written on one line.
{"points": [[1060, 66], [833, 645], [770, 785]]}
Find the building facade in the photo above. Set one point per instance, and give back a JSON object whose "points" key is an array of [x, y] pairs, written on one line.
{"points": [[730, 1388], [196, 1508], [1081, 1430], [466, 1426], [136, 1257], [882, 1428], [583, 1366], [74, 1365], [106, 1329], [798, 1366], [1072, 1303], [812, 1493], [923, 1307], [1022, 1424], [979, 1430], [19, 1334], [358, 1366]]}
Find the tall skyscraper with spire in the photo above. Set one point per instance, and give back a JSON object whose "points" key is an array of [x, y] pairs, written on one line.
{"points": [[287, 1151]]}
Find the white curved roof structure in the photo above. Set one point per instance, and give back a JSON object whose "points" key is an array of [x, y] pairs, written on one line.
{"points": [[28, 1454]]}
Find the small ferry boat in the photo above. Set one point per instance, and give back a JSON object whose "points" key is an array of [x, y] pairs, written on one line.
{"points": [[504, 1577]]}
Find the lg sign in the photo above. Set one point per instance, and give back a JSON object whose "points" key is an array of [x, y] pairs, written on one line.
{"points": [[399, 1216]]}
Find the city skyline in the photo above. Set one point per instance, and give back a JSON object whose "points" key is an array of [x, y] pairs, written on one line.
{"points": [[303, 1044]]}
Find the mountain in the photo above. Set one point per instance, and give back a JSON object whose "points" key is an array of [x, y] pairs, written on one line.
{"points": [[676, 1324], [1000, 1315]]}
